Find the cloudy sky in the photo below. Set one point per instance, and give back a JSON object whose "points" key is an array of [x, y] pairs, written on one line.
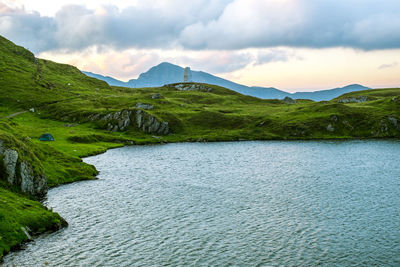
{"points": [[294, 45]]}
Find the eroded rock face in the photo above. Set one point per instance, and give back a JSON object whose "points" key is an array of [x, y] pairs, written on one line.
{"points": [[19, 173], [120, 121], [150, 124], [10, 158], [26, 179], [30, 184]]}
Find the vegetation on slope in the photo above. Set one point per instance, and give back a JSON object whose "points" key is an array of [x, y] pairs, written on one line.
{"points": [[21, 217], [60, 100]]}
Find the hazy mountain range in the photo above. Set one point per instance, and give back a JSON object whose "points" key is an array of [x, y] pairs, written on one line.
{"points": [[166, 73]]}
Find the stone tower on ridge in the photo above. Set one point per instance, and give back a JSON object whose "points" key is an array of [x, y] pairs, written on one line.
{"points": [[187, 75]]}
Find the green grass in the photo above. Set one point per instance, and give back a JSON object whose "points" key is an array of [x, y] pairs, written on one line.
{"points": [[64, 98], [17, 211]]}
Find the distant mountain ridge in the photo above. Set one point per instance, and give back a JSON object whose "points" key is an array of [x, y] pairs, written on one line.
{"points": [[167, 73], [107, 79]]}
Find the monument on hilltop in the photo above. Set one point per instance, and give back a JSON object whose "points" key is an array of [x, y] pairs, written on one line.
{"points": [[187, 75]]}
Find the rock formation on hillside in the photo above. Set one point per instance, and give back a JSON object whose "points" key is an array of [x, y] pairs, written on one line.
{"points": [[356, 99], [17, 172], [190, 87], [122, 120], [289, 100]]}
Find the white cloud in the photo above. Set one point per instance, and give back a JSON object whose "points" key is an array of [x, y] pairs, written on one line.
{"points": [[246, 23], [128, 64], [275, 55], [388, 66]]}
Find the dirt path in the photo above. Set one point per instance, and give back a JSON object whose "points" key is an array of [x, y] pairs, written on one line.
{"points": [[14, 114]]}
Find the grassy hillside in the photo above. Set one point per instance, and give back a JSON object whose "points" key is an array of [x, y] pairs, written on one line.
{"points": [[19, 213], [224, 115], [39, 96]]}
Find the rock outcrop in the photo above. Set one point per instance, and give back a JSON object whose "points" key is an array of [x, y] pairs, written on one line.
{"points": [[387, 127], [122, 120], [30, 184], [190, 87], [156, 96], [289, 100], [19, 173], [330, 128], [395, 99], [144, 106], [356, 99], [394, 122]]}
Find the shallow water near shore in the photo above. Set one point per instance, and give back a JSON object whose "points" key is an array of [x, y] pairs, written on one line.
{"points": [[269, 203]]}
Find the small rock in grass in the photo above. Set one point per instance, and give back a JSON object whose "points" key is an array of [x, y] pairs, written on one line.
{"points": [[156, 96]]}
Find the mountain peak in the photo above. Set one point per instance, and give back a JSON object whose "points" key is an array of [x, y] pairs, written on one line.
{"points": [[355, 85], [159, 75], [167, 73], [166, 64]]}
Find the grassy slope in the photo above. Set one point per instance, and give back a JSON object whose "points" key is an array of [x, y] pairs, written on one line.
{"points": [[17, 211], [63, 98]]}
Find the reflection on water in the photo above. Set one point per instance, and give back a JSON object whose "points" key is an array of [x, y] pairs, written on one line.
{"points": [[223, 204]]}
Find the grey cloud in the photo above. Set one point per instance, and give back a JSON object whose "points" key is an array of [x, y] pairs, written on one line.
{"points": [[211, 24], [217, 61], [30, 30], [76, 27], [300, 23], [228, 61]]}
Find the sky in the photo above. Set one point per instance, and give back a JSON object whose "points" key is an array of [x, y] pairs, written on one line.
{"points": [[293, 45]]}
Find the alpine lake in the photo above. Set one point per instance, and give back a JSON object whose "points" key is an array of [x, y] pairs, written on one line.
{"points": [[261, 203]]}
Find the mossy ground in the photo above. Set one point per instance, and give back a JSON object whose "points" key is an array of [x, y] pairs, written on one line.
{"points": [[63, 98]]}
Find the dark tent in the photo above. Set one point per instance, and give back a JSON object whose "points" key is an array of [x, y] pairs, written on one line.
{"points": [[46, 137]]}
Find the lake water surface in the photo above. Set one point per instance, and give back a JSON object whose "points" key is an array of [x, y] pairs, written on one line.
{"points": [[230, 204]]}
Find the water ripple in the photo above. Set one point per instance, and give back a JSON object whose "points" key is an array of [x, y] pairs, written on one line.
{"points": [[230, 204]]}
